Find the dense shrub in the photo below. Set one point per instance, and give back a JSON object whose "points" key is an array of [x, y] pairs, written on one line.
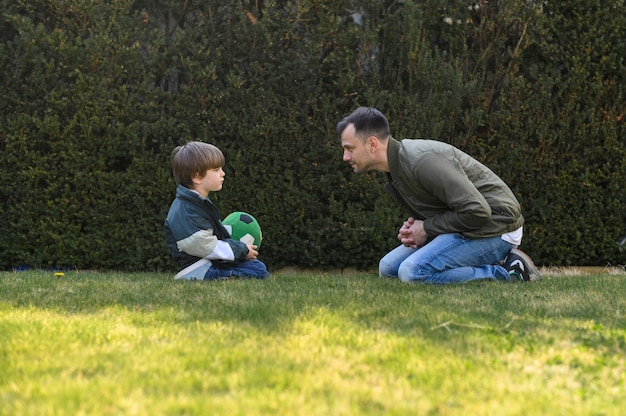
{"points": [[96, 94]]}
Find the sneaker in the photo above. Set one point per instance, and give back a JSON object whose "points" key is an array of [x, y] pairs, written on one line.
{"points": [[521, 267]]}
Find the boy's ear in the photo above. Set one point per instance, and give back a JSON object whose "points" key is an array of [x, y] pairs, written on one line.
{"points": [[196, 178]]}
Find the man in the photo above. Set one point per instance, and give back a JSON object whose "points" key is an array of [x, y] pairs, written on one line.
{"points": [[465, 223]]}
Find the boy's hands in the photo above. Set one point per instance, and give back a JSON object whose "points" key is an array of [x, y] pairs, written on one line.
{"points": [[252, 253]]}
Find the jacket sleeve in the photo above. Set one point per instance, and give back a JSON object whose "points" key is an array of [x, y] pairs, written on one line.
{"points": [[203, 243], [445, 178]]}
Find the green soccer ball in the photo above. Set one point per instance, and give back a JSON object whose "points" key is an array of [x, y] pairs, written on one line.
{"points": [[244, 227]]}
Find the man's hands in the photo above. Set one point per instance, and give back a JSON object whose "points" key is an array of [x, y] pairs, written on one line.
{"points": [[412, 233]]}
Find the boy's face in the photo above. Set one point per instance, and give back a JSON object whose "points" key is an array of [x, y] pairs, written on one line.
{"points": [[211, 182]]}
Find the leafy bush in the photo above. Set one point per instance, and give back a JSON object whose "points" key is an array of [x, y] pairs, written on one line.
{"points": [[95, 96]]}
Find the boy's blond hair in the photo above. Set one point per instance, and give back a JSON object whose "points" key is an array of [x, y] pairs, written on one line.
{"points": [[194, 158]]}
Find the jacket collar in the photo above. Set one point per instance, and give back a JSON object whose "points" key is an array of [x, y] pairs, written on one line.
{"points": [[393, 151], [185, 193]]}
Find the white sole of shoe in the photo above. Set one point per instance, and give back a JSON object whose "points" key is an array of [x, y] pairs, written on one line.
{"points": [[533, 271]]}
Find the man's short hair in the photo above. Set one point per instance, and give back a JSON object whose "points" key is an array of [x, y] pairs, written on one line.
{"points": [[368, 121]]}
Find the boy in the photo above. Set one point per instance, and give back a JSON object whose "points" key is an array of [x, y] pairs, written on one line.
{"points": [[193, 228]]}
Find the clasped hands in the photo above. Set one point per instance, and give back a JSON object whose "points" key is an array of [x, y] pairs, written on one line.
{"points": [[412, 233]]}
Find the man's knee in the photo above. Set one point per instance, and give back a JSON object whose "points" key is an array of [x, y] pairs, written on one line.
{"points": [[411, 272], [385, 270], [407, 272]]}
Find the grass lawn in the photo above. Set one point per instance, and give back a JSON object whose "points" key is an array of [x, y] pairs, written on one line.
{"points": [[93, 343]]}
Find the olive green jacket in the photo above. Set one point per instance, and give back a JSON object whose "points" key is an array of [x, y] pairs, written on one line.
{"points": [[449, 190]]}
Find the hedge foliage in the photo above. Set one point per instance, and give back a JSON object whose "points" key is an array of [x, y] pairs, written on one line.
{"points": [[96, 94]]}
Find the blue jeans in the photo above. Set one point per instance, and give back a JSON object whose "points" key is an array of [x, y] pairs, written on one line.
{"points": [[448, 258], [250, 268]]}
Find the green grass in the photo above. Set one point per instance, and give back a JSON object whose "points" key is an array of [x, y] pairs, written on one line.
{"points": [[310, 344]]}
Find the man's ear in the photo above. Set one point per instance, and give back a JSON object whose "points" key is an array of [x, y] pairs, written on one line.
{"points": [[372, 144]]}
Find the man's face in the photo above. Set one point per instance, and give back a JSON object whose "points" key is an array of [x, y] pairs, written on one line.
{"points": [[355, 152]]}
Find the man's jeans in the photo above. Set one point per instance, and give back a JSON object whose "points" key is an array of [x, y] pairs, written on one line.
{"points": [[448, 258]]}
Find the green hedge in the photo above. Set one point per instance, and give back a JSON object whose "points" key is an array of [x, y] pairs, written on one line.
{"points": [[96, 94]]}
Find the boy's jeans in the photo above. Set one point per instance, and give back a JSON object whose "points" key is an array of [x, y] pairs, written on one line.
{"points": [[251, 269], [448, 258]]}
